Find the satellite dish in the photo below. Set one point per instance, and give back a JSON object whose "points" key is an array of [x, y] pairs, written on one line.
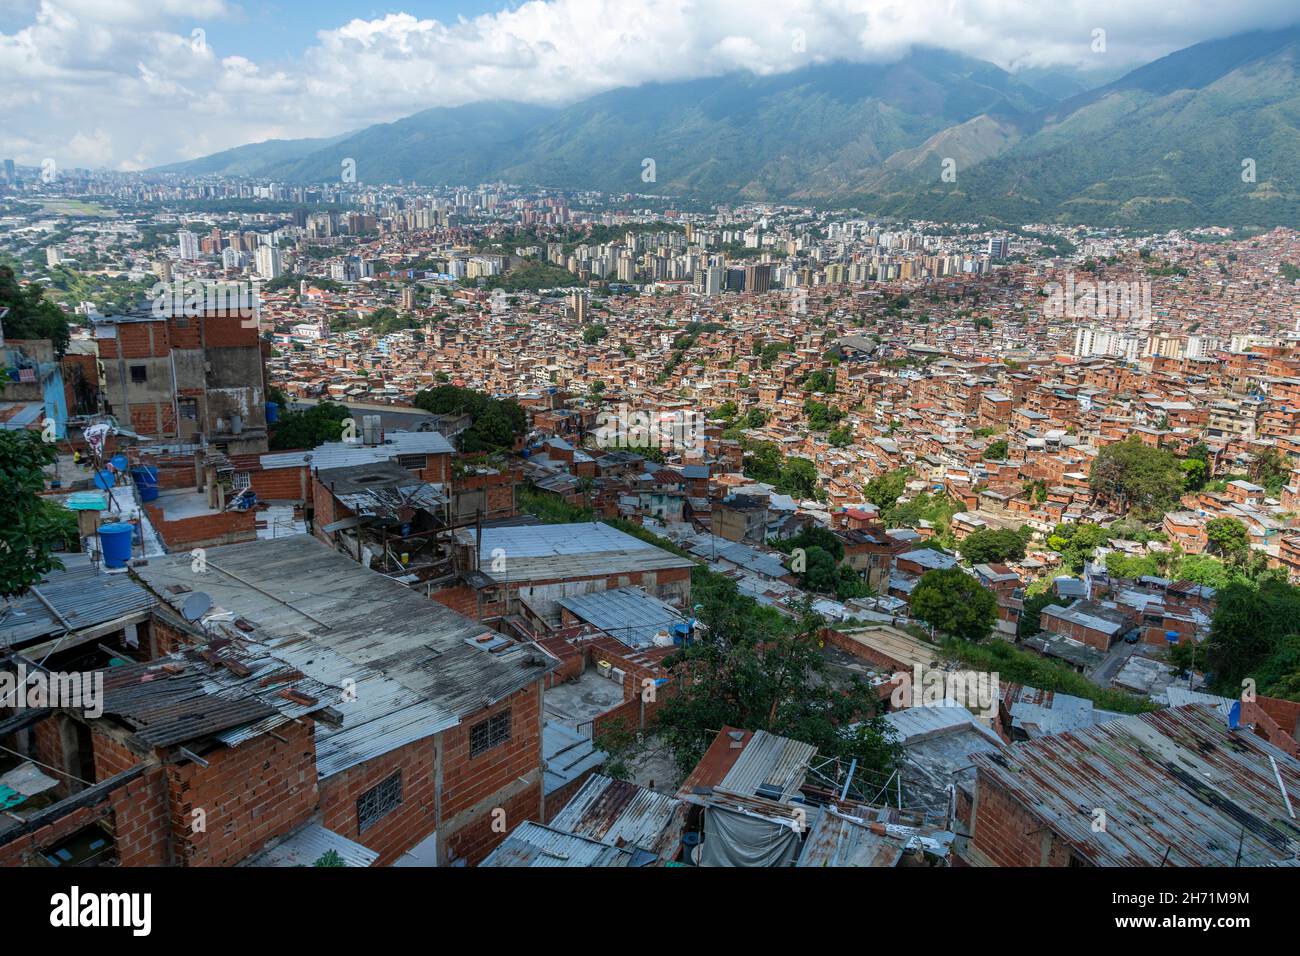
{"points": [[195, 606]]}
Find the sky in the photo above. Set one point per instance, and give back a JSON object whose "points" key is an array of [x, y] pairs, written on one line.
{"points": [[130, 84]]}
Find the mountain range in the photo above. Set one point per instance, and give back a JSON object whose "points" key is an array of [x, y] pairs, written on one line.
{"points": [[1163, 146]]}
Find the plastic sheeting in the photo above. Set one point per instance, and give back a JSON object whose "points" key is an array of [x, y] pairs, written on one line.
{"points": [[734, 839]]}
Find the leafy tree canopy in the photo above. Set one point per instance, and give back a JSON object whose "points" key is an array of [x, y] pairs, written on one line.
{"points": [[496, 422], [30, 526], [993, 546], [310, 427], [31, 315], [954, 603], [1136, 478]]}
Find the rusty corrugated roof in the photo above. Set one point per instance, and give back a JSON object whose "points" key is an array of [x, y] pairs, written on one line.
{"points": [[619, 813], [1177, 787]]}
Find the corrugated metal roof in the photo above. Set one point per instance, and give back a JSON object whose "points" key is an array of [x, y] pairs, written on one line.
{"points": [[83, 595], [918, 723], [308, 845], [628, 614], [619, 813], [531, 844], [397, 501], [734, 552], [1178, 787], [551, 551], [566, 755], [341, 454], [769, 761], [384, 489], [928, 558], [403, 659], [1039, 712], [836, 841], [195, 694]]}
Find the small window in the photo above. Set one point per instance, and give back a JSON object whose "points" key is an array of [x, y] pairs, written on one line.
{"points": [[240, 481], [412, 462], [139, 374], [188, 408], [89, 846], [488, 734], [377, 802]]}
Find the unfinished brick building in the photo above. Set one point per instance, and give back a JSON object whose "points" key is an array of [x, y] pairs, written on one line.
{"points": [[177, 377]]}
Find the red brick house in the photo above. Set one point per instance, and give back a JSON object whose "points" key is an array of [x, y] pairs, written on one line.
{"points": [[329, 701]]}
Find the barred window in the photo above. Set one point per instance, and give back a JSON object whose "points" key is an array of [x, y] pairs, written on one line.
{"points": [[379, 801], [489, 733], [412, 462]]}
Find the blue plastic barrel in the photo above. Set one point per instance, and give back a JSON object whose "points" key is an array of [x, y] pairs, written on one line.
{"points": [[119, 462], [272, 412], [105, 479], [689, 842], [115, 543], [146, 482]]}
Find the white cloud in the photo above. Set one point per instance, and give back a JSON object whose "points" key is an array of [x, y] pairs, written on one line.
{"points": [[130, 71]]}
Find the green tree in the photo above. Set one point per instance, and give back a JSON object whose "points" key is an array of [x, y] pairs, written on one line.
{"points": [[496, 423], [1121, 565], [821, 416], [1031, 612], [764, 462], [821, 380], [1270, 469], [726, 411], [798, 478], [1228, 537], [822, 572], [1278, 675], [884, 490], [841, 436], [31, 315], [1208, 571], [1195, 473], [993, 546], [955, 604], [31, 527], [1249, 624], [810, 537], [754, 670], [1076, 543], [310, 427], [1136, 478], [996, 451]]}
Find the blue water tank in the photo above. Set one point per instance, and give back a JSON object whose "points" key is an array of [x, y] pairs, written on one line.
{"points": [[105, 479], [119, 462], [115, 543], [146, 482], [690, 841], [272, 412]]}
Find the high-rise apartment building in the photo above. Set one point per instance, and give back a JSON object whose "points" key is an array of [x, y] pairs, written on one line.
{"points": [[187, 244]]}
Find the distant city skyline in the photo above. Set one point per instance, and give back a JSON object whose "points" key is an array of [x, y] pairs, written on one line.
{"points": [[129, 84]]}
